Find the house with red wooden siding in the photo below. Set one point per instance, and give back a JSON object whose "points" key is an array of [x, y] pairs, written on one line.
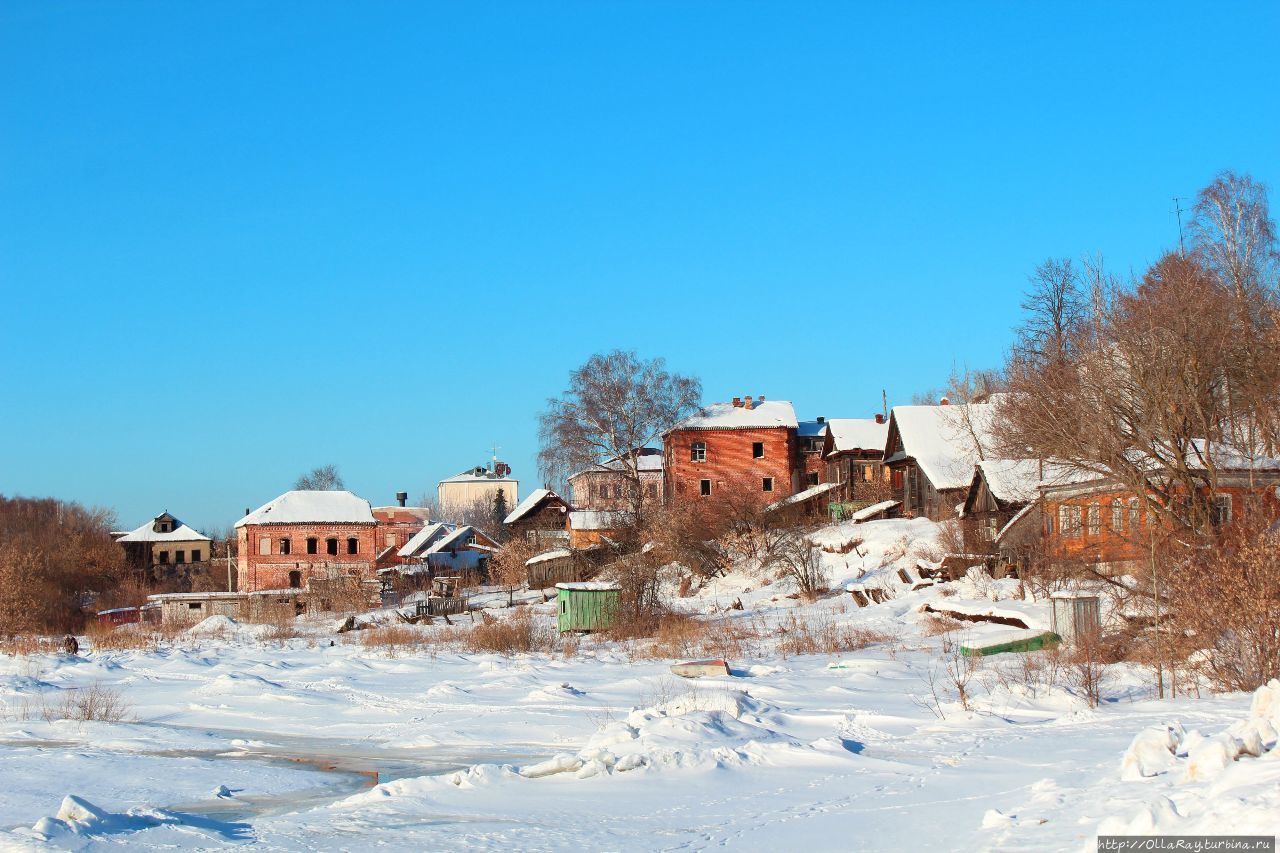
{"points": [[744, 447], [1093, 519], [304, 535]]}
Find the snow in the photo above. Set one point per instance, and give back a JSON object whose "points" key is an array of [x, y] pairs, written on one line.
{"points": [[234, 738], [848, 434], [1012, 480], [589, 586], [526, 506], [180, 533], [303, 506], [767, 414], [423, 537]]}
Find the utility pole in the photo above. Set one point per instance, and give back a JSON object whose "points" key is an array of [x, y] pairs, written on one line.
{"points": [[1177, 208]]}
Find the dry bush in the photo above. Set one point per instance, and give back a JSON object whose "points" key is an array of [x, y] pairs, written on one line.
{"points": [[95, 703], [393, 639], [507, 567], [105, 638], [521, 633], [933, 625], [844, 547], [797, 560], [24, 645], [820, 634], [950, 670], [1228, 602]]}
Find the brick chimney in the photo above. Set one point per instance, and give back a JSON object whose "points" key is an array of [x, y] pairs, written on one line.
{"points": [[402, 497], [760, 398], [821, 419], [944, 402], [747, 404], [879, 418], [737, 402]]}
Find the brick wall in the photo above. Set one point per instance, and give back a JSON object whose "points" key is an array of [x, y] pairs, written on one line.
{"points": [[272, 571], [607, 491], [730, 463]]}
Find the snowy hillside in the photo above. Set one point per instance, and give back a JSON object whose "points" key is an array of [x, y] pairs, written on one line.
{"points": [[326, 741]]}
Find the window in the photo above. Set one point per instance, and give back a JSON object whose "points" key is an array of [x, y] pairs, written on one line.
{"points": [[1221, 510], [391, 540], [353, 545], [812, 478], [313, 545], [1117, 515], [295, 580], [704, 487], [164, 527], [757, 450], [987, 529], [1133, 514], [181, 557], [768, 484], [1048, 525], [195, 555], [896, 478], [866, 473], [194, 605], [698, 452], [164, 557], [1094, 519], [1064, 520], [1075, 522], [652, 491], [331, 546], [286, 545]]}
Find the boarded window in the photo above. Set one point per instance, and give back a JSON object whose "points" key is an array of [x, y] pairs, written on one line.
{"points": [[757, 450], [264, 546], [391, 540], [698, 453], [704, 487], [768, 484]]}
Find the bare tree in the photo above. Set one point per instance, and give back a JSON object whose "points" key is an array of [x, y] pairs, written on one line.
{"points": [[1054, 305], [616, 404], [323, 479]]}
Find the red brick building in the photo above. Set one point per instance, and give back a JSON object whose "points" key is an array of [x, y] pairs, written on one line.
{"points": [[396, 526], [304, 535], [810, 437], [744, 447]]}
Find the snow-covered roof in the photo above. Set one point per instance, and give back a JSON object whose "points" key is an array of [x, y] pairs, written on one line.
{"points": [[590, 586], [764, 414], [811, 429], [424, 537], [305, 506], [872, 511], [857, 434], [1017, 517], [148, 533], [1013, 480], [526, 506], [943, 440], [798, 497], [470, 476], [588, 519], [558, 554]]}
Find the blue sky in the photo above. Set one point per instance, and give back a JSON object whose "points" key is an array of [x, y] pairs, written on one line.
{"points": [[241, 240]]}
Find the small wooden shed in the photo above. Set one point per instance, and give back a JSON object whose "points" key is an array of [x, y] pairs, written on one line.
{"points": [[1076, 615], [586, 606]]}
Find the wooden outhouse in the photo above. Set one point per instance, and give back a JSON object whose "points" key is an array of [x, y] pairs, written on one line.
{"points": [[586, 606]]}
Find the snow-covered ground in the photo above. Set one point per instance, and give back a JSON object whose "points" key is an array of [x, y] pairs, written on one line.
{"points": [[300, 744]]}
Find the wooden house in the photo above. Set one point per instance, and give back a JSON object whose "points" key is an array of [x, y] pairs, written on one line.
{"points": [[853, 452], [163, 544], [542, 518], [589, 527], [998, 490], [811, 436], [930, 452], [447, 550]]}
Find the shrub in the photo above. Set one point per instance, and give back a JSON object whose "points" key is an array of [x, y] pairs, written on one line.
{"points": [[521, 633]]}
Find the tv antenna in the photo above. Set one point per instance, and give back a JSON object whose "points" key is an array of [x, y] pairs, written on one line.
{"points": [[1177, 209]]}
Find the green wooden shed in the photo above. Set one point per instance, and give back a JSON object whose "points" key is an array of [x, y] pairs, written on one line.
{"points": [[586, 606]]}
